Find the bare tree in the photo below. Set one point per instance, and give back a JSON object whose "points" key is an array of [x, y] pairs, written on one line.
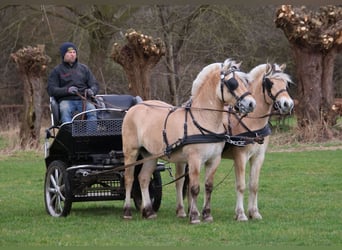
{"points": [[316, 38], [177, 25], [31, 63], [138, 57]]}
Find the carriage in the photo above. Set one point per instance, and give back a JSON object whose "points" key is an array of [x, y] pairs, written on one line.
{"points": [[84, 159]]}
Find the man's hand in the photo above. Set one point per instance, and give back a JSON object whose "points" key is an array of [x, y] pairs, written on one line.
{"points": [[73, 90], [90, 93]]}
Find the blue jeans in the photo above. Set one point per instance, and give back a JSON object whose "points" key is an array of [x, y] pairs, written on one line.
{"points": [[68, 107]]}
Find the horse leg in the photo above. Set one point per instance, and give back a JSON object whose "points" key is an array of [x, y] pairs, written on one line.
{"points": [[180, 170], [211, 168], [144, 180], [194, 186], [240, 186], [256, 164], [129, 178]]}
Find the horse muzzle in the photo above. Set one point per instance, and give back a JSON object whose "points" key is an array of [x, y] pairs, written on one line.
{"points": [[284, 105], [245, 105]]}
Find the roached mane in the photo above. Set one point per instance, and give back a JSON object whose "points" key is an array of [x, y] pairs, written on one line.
{"points": [[228, 63]]}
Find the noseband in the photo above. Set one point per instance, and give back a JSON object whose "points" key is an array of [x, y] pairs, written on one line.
{"points": [[232, 84], [267, 85]]}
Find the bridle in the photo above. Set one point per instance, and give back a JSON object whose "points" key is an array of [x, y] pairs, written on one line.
{"points": [[232, 84], [267, 85]]}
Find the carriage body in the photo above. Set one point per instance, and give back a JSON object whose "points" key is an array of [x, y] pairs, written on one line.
{"points": [[84, 159]]}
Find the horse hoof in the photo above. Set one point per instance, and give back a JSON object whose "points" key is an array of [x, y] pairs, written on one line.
{"points": [[208, 219], [127, 217], [180, 213], [255, 216], [195, 221], [241, 217], [182, 216], [152, 216], [148, 213], [127, 214]]}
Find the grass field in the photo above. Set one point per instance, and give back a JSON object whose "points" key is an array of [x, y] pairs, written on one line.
{"points": [[299, 199]]}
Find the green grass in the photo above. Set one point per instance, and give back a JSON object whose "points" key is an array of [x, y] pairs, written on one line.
{"points": [[299, 199]]}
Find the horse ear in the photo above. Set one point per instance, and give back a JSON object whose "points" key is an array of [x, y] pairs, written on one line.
{"points": [[283, 66], [268, 69], [239, 64]]}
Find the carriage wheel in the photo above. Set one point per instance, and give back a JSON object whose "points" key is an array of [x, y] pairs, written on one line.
{"points": [[155, 190], [57, 190]]}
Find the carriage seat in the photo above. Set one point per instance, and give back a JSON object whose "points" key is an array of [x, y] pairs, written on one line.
{"points": [[117, 101], [54, 109], [123, 102]]}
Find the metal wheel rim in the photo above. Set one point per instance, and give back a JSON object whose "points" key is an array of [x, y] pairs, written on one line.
{"points": [[55, 192]]}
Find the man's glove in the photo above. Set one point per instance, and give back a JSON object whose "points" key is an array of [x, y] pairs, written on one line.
{"points": [[73, 90], [90, 93]]}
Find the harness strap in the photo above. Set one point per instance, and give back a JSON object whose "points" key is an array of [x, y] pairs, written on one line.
{"points": [[249, 137], [265, 131], [84, 105]]}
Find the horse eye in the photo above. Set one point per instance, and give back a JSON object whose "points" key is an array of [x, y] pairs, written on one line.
{"points": [[232, 84]]}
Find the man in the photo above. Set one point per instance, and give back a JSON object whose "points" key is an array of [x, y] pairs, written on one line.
{"points": [[69, 81]]}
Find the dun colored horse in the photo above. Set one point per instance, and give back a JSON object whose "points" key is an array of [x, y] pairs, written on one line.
{"points": [[192, 134], [269, 87]]}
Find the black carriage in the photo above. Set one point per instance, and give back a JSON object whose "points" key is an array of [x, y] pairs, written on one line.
{"points": [[84, 159]]}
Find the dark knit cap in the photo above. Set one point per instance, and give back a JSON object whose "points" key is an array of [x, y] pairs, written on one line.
{"points": [[65, 47]]}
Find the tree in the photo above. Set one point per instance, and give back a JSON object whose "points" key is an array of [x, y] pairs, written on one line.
{"points": [[31, 63], [138, 57], [315, 38], [177, 25]]}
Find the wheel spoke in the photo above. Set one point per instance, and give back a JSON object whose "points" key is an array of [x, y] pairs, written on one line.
{"points": [[53, 181], [57, 176], [53, 200], [61, 196], [58, 205]]}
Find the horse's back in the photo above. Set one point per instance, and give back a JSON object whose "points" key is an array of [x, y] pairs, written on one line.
{"points": [[143, 125]]}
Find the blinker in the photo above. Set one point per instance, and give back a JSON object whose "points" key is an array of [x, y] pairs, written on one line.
{"points": [[267, 83], [231, 84]]}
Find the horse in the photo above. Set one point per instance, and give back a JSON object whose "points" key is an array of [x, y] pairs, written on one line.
{"points": [[268, 85], [155, 129]]}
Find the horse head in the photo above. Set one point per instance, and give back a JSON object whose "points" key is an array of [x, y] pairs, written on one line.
{"points": [[275, 85], [236, 83]]}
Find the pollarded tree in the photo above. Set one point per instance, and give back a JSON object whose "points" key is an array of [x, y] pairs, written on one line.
{"points": [[315, 38], [138, 57], [31, 63]]}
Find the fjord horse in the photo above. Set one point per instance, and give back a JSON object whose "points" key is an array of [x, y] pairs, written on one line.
{"points": [[268, 85], [153, 128]]}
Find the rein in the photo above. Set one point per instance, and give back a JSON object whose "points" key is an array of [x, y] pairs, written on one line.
{"points": [[85, 99]]}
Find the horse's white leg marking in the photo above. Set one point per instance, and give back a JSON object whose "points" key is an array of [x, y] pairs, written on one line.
{"points": [[256, 163], [240, 169]]}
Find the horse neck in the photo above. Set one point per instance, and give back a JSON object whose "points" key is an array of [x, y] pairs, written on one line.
{"points": [[207, 99]]}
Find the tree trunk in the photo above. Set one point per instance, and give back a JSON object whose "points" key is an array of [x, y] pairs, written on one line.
{"points": [[32, 114], [138, 81], [31, 63], [315, 89], [328, 91]]}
